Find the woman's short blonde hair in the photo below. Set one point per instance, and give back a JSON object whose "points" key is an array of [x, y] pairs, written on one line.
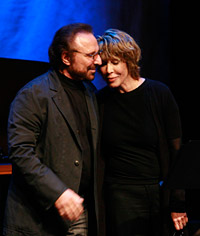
{"points": [[114, 44]]}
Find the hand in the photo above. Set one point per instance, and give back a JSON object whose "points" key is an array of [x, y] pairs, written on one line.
{"points": [[180, 220], [69, 205]]}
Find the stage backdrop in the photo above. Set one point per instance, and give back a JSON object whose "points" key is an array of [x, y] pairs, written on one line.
{"points": [[28, 26]]}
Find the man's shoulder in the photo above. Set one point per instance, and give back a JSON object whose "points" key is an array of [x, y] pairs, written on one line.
{"points": [[37, 87]]}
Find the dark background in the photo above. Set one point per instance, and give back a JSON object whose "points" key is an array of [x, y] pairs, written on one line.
{"points": [[167, 32]]}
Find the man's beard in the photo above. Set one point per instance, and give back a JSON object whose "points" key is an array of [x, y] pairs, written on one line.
{"points": [[80, 75]]}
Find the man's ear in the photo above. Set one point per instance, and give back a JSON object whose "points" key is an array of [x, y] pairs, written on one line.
{"points": [[66, 58]]}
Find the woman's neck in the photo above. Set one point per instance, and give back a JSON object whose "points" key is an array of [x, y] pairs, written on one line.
{"points": [[130, 85]]}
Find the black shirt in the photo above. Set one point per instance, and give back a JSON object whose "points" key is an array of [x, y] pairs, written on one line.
{"points": [[75, 92], [130, 138]]}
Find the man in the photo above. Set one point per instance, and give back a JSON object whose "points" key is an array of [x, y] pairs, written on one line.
{"points": [[52, 138]]}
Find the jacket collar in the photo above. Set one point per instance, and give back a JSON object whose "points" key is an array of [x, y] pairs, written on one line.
{"points": [[60, 99]]}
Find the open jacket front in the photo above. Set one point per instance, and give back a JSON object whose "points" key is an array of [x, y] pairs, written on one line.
{"points": [[44, 148]]}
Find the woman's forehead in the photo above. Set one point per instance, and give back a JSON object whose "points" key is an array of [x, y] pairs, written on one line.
{"points": [[106, 55]]}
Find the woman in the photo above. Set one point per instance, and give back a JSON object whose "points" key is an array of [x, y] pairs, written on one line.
{"points": [[141, 132]]}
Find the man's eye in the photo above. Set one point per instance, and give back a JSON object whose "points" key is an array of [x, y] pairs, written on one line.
{"points": [[90, 55]]}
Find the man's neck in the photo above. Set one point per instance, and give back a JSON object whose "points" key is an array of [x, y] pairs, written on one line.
{"points": [[66, 73]]}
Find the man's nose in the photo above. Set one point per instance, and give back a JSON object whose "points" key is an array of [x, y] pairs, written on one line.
{"points": [[98, 60]]}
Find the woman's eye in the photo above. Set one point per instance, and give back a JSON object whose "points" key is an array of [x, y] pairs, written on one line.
{"points": [[115, 62]]}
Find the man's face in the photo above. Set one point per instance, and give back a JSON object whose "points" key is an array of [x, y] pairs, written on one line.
{"points": [[84, 57]]}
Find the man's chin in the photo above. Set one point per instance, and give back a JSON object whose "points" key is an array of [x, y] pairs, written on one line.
{"points": [[90, 76]]}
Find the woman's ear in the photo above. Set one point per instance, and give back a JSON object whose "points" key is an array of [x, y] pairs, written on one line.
{"points": [[65, 58]]}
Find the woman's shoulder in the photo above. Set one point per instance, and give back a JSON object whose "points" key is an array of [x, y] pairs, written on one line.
{"points": [[158, 86], [157, 83], [103, 93]]}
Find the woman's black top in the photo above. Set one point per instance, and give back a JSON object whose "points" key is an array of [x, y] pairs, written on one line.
{"points": [[130, 138], [160, 109]]}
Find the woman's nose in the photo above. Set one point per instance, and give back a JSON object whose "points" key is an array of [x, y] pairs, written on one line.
{"points": [[109, 68]]}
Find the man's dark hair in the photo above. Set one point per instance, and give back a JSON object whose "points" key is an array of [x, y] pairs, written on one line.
{"points": [[61, 42]]}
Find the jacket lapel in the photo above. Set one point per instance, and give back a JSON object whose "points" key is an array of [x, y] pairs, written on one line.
{"points": [[93, 114], [63, 104]]}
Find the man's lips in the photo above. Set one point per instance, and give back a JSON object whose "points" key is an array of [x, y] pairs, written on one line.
{"points": [[92, 69]]}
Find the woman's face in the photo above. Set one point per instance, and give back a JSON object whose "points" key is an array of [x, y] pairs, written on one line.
{"points": [[114, 72]]}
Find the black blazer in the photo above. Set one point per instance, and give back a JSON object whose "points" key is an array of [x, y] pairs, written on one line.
{"points": [[46, 153]]}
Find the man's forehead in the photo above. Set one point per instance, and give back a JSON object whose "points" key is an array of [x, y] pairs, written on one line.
{"points": [[84, 40]]}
